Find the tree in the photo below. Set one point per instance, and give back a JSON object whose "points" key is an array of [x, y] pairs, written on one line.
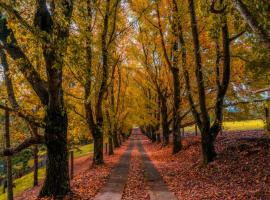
{"points": [[251, 20], [51, 28], [209, 132]]}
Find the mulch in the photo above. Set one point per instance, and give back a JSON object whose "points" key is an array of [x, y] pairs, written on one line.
{"points": [[241, 170], [86, 182]]}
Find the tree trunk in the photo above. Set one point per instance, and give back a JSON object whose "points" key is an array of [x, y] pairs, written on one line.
{"points": [[57, 155], [8, 158], [123, 135], [208, 149], [120, 141], [177, 145], [115, 140], [153, 136], [158, 138], [110, 144], [98, 148]]}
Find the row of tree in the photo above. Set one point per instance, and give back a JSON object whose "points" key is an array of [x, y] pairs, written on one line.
{"points": [[65, 73], [189, 53], [91, 69]]}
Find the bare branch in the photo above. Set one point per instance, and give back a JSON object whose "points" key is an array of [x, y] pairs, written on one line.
{"points": [[25, 144], [261, 90], [22, 114], [237, 36]]}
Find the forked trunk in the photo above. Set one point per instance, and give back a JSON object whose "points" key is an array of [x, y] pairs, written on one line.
{"points": [[208, 148]]}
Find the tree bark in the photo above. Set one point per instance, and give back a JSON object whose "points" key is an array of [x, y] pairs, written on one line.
{"points": [[98, 147], [57, 155], [115, 139], [110, 144], [120, 141], [177, 145]]}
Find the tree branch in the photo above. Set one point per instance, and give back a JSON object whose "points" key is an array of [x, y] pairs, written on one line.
{"points": [[252, 22], [22, 114], [25, 66], [36, 32], [25, 144], [237, 36]]}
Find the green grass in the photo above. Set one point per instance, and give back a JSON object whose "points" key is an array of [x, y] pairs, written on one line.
{"points": [[23, 183], [244, 125], [84, 150], [237, 125], [26, 181]]}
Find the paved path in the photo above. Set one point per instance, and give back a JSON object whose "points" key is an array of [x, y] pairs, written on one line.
{"points": [[158, 189], [113, 189], [115, 186]]}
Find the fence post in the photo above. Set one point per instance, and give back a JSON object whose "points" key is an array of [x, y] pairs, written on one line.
{"points": [[221, 130], [196, 130], [183, 131], [106, 148], [71, 164], [8, 158], [35, 152]]}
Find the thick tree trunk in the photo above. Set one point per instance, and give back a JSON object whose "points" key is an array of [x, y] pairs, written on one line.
{"points": [[98, 150], [208, 142], [57, 174]]}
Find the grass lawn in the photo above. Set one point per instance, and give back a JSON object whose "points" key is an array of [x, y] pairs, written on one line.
{"points": [[84, 150], [26, 181], [23, 183], [237, 125], [244, 125]]}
